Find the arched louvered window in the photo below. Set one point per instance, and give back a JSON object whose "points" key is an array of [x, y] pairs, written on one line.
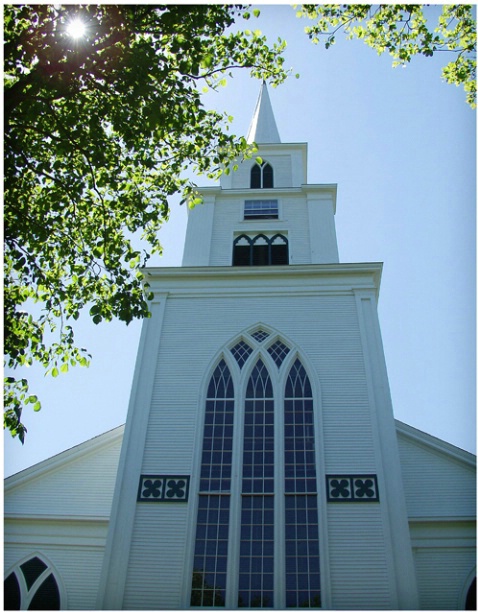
{"points": [[301, 515], [256, 177], [261, 250], [262, 176], [256, 561], [210, 555], [32, 586]]}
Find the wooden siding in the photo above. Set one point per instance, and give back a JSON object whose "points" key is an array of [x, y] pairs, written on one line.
{"points": [[442, 575], [157, 582], [75, 549], [68, 487], [324, 327], [281, 164], [436, 484], [228, 222], [360, 578]]}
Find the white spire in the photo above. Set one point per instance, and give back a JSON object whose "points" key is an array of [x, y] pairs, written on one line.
{"points": [[263, 127]]}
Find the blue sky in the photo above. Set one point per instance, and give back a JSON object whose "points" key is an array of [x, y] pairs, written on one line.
{"points": [[400, 144]]}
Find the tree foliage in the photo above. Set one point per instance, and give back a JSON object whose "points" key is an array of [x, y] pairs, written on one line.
{"points": [[404, 31], [98, 133]]}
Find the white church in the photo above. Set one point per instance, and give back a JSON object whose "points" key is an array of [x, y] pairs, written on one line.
{"points": [[260, 465]]}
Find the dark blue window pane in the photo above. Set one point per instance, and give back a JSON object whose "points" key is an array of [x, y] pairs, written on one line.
{"points": [[301, 528], [256, 173], [11, 593], [210, 554]]}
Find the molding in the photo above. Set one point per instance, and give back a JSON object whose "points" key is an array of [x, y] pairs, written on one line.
{"points": [[396, 528], [115, 562], [309, 190], [442, 519], [60, 460], [57, 518], [303, 277], [433, 443]]}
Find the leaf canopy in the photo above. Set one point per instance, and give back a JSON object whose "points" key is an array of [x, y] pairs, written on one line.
{"points": [[99, 130], [404, 31]]}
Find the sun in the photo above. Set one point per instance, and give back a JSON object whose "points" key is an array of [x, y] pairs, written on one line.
{"points": [[76, 28]]}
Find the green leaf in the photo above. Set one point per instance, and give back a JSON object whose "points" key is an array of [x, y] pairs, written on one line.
{"points": [[96, 175]]}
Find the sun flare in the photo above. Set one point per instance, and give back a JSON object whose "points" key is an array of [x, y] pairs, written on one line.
{"points": [[76, 28]]}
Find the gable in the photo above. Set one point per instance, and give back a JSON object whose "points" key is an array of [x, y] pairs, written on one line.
{"points": [[78, 482], [439, 479]]}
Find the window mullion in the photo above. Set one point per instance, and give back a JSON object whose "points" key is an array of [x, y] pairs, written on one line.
{"points": [[279, 504], [236, 505]]}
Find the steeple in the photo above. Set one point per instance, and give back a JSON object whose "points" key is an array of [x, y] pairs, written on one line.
{"points": [[263, 128]]}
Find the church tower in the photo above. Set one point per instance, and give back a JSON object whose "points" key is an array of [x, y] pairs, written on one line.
{"points": [[260, 465]]}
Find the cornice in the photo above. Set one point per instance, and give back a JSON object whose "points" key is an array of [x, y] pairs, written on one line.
{"points": [[303, 279], [316, 188]]}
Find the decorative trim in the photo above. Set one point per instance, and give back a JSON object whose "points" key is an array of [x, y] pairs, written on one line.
{"points": [[163, 488], [352, 488]]}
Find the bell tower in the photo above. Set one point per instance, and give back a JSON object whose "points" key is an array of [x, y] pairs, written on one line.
{"points": [[260, 464], [264, 213]]}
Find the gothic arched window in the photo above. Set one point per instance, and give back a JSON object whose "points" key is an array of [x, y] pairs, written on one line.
{"points": [[256, 560], [261, 250], [264, 514], [210, 554], [32, 586], [301, 522], [262, 176]]}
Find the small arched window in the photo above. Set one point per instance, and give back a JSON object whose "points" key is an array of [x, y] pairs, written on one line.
{"points": [[261, 250], [262, 176], [31, 586]]}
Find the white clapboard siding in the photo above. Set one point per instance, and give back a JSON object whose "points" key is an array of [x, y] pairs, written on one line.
{"points": [[360, 578], [228, 222], [281, 164], [439, 479], [334, 350], [158, 546], [63, 485], [442, 576], [74, 549], [295, 216]]}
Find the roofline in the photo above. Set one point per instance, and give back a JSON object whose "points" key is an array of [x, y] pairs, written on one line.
{"points": [[60, 459], [417, 435]]}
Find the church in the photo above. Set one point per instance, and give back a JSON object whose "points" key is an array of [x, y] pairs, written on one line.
{"points": [[260, 465]]}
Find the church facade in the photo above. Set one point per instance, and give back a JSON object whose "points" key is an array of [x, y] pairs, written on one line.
{"points": [[260, 464]]}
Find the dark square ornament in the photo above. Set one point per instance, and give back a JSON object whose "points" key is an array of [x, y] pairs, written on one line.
{"points": [[163, 488], [352, 488]]}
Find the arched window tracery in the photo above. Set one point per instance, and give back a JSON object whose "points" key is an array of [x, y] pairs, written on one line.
{"points": [[261, 250], [274, 419], [32, 585]]}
